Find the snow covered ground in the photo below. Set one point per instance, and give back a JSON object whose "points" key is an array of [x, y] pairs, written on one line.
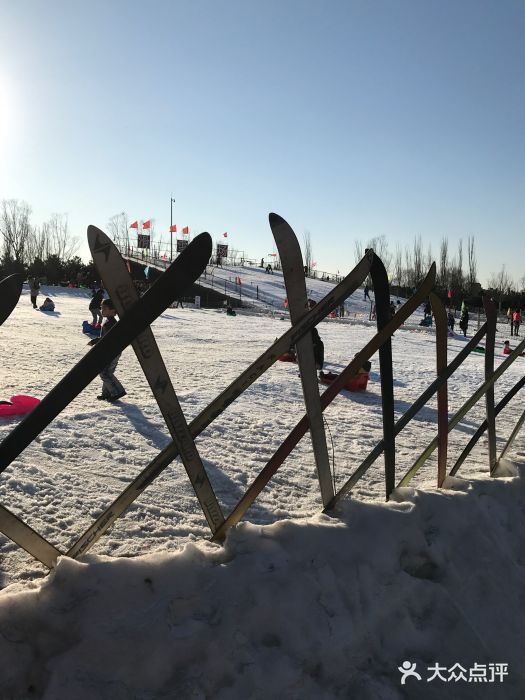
{"points": [[296, 604]]}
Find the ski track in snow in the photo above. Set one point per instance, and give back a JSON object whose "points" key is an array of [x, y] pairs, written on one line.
{"points": [[87, 456]]}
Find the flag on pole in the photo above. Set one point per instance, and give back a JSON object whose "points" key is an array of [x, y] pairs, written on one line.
{"points": [[225, 235], [173, 229], [449, 294], [147, 224], [186, 229], [135, 224]]}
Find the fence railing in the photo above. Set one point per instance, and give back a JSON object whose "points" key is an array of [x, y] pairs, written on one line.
{"points": [[21, 533]]}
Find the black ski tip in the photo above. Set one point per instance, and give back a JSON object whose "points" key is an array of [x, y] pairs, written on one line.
{"points": [[93, 232], [11, 288], [202, 241], [276, 220], [15, 281]]}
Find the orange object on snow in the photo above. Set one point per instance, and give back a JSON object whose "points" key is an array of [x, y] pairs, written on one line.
{"points": [[357, 383]]}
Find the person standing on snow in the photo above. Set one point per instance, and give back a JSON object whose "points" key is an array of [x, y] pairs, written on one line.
{"points": [[34, 289], [463, 321], [112, 389], [516, 320], [94, 307]]}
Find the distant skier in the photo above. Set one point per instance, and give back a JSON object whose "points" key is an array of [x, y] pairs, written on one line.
{"points": [[34, 289], [112, 389], [367, 295], [451, 320]]}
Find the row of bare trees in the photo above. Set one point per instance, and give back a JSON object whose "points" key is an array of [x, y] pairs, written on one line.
{"points": [[457, 271], [21, 242]]}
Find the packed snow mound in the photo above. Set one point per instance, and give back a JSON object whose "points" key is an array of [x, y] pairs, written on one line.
{"points": [[323, 608]]}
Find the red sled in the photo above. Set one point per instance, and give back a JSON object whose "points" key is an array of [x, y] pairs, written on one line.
{"points": [[357, 383], [287, 357], [18, 405]]}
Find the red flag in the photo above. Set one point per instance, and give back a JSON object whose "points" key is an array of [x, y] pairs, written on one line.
{"points": [[449, 294], [225, 235], [147, 224], [173, 228], [135, 224], [186, 229]]}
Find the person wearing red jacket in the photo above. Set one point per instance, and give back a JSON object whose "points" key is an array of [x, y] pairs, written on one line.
{"points": [[516, 320]]}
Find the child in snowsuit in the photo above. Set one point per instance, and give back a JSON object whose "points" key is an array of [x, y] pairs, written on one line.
{"points": [[48, 305], [94, 307], [451, 321], [112, 389]]}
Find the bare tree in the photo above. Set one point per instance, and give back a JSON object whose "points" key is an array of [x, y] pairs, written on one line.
{"points": [[15, 229], [444, 272], [500, 282], [61, 243], [358, 251], [459, 268], [472, 265], [418, 260], [398, 265], [307, 250], [379, 245], [409, 269], [118, 230], [429, 258]]}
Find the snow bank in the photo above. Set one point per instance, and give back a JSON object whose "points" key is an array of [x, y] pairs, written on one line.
{"points": [[321, 608]]}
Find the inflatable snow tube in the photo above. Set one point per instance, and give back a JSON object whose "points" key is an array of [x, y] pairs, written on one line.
{"points": [[90, 329], [287, 357], [357, 383], [18, 405]]}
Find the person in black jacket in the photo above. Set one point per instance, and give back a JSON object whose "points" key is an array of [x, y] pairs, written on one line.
{"points": [[94, 307], [112, 389], [463, 321], [318, 349]]}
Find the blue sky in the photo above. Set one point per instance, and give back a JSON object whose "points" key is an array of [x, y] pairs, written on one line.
{"points": [[350, 119]]}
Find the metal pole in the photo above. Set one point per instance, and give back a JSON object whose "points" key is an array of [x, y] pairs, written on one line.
{"points": [[171, 227]]}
